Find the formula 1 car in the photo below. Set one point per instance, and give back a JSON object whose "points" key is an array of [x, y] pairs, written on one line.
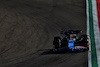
{"points": [[72, 40]]}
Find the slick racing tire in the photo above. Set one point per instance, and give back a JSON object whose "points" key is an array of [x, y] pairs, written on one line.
{"points": [[57, 42], [84, 40]]}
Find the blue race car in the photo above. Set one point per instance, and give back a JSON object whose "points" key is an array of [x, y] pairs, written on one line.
{"points": [[72, 40]]}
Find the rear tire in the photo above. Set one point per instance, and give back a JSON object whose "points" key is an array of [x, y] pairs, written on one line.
{"points": [[84, 40], [57, 42]]}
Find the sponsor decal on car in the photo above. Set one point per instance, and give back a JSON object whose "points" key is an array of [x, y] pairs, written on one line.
{"points": [[80, 47], [70, 45]]}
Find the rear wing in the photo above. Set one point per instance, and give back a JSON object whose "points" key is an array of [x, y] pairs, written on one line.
{"points": [[71, 32]]}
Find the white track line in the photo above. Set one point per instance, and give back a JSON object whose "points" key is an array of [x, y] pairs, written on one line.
{"points": [[89, 52]]}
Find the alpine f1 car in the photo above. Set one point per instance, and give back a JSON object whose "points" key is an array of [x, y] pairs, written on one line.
{"points": [[72, 40]]}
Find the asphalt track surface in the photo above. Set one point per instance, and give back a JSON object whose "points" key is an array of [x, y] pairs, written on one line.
{"points": [[27, 28]]}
